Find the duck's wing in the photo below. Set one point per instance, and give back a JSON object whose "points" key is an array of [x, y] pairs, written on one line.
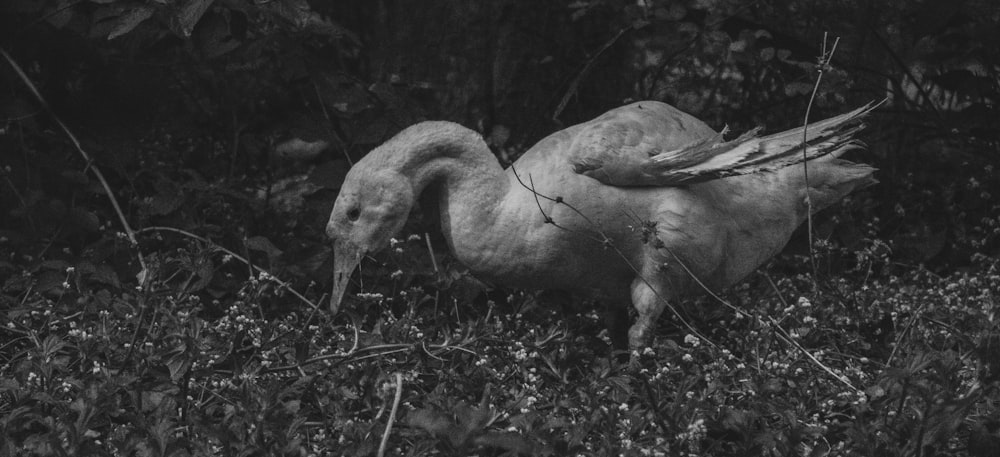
{"points": [[654, 144]]}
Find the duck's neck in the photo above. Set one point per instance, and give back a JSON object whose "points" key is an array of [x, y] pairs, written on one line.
{"points": [[454, 162]]}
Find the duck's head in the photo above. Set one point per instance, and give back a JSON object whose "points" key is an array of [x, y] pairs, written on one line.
{"points": [[372, 207]]}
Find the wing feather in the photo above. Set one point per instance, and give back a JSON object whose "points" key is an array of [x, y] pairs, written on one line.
{"points": [[658, 145]]}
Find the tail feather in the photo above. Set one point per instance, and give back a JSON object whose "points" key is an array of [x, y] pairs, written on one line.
{"points": [[831, 179], [750, 154]]}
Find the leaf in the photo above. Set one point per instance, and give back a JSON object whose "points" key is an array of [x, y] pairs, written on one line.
{"points": [[505, 440], [736, 420], [84, 220], [162, 432], [292, 406], [106, 275], [51, 282], [56, 264], [188, 16], [471, 417], [767, 54], [76, 177], [214, 37], [262, 244], [178, 364], [798, 88], [205, 270], [875, 392], [301, 16], [431, 421], [51, 346], [329, 175], [164, 203], [130, 20]]}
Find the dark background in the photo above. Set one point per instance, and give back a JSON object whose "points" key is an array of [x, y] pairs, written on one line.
{"points": [[163, 93]]}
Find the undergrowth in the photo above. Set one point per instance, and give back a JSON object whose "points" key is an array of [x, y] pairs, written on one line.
{"points": [[91, 368], [214, 356]]}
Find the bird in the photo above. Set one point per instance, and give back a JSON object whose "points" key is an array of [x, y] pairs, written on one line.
{"points": [[643, 205]]}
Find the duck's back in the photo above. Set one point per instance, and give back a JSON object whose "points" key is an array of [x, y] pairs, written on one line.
{"points": [[646, 127]]}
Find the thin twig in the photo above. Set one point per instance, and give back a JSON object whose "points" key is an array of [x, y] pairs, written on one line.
{"points": [[392, 415], [143, 273], [788, 338], [380, 350], [573, 85], [548, 220], [824, 62], [909, 324], [329, 124], [48, 15], [236, 256], [430, 250], [909, 74]]}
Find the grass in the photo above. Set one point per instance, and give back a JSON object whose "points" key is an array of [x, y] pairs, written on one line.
{"points": [[90, 369]]}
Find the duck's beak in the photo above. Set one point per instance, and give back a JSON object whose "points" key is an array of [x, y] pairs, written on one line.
{"points": [[346, 257]]}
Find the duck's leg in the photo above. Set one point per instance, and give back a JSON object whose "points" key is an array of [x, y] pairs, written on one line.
{"points": [[648, 306]]}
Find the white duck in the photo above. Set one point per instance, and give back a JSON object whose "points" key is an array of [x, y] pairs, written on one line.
{"points": [[647, 197]]}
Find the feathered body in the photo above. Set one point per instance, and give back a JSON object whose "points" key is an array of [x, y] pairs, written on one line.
{"points": [[646, 191]]}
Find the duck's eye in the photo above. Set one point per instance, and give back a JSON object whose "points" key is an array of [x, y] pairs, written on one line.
{"points": [[353, 214]]}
